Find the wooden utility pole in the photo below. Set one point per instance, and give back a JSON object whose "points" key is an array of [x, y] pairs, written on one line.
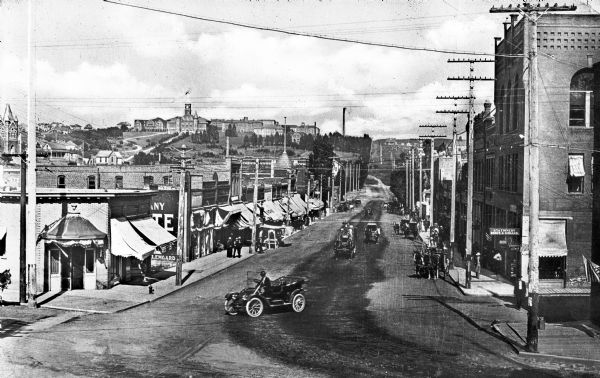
{"points": [[412, 178], [255, 201], [407, 198], [455, 111], [531, 13], [432, 137], [470, 154], [31, 182]]}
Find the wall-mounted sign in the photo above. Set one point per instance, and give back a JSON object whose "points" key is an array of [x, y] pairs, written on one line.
{"points": [[505, 231]]}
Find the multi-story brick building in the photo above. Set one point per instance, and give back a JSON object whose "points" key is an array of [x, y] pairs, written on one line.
{"points": [[569, 44]]}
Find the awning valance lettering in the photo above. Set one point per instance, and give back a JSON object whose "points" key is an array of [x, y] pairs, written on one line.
{"points": [[576, 167], [126, 242], [553, 240]]}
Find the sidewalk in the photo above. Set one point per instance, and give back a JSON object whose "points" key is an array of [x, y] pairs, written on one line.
{"points": [[573, 344], [126, 296]]}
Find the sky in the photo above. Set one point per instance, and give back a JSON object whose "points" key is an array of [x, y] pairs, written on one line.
{"points": [[102, 63]]}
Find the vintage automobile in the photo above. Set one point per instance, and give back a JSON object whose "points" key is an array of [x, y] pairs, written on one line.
{"points": [[372, 233], [345, 242], [256, 296], [343, 206]]}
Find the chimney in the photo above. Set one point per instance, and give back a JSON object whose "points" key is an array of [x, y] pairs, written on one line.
{"points": [[227, 148], [344, 121]]}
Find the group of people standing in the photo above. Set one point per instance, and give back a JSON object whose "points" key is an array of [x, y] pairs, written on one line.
{"points": [[234, 246]]}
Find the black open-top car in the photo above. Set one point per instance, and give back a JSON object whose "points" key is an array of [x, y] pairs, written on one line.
{"points": [[256, 296]]}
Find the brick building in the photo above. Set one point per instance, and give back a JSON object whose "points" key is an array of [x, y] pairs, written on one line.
{"points": [[569, 44], [189, 122]]}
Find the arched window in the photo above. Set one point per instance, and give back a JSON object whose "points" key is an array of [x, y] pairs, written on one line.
{"points": [[581, 112], [61, 182]]}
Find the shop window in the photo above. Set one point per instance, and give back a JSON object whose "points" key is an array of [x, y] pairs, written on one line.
{"points": [[90, 260], [575, 179], [167, 180], [119, 182], [148, 180], [54, 261], [61, 182], [552, 267], [91, 180], [581, 111]]}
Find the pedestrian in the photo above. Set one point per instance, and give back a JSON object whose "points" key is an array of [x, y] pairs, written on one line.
{"points": [[238, 246], [229, 246]]}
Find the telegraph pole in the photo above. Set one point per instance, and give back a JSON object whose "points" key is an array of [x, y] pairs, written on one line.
{"points": [[421, 154], [470, 154], [255, 200], [407, 198], [412, 178], [454, 173], [531, 14], [432, 137]]}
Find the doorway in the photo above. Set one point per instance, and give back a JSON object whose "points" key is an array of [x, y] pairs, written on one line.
{"points": [[78, 261]]}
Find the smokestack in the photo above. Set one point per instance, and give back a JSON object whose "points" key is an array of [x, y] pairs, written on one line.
{"points": [[227, 148], [344, 121]]}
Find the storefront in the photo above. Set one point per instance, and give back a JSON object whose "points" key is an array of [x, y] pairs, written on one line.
{"points": [[75, 251]]}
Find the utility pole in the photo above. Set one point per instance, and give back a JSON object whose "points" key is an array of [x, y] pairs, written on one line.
{"points": [[421, 154], [412, 178], [255, 201], [432, 137], [407, 198], [184, 209], [531, 13], [31, 182], [321, 189], [454, 173], [470, 153]]}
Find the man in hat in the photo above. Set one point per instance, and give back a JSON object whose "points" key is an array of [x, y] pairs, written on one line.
{"points": [[229, 245], [237, 244]]}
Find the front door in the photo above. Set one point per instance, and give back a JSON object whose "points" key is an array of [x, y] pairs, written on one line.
{"points": [[78, 259], [65, 270]]}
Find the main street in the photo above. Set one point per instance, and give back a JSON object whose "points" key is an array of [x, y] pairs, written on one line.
{"points": [[365, 317]]}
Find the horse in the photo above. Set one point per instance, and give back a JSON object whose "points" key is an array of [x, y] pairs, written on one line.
{"points": [[5, 280]]}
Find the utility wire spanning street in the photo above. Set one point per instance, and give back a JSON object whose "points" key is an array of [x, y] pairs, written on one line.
{"points": [[367, 316]]}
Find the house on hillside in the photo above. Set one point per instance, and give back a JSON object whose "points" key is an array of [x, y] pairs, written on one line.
{"points": [[106, 157]]}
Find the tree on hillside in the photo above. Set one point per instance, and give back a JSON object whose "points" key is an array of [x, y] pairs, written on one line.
{"points": [[320, 161]]}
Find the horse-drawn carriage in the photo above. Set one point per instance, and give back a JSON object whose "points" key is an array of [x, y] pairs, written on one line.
{"points": [[345, 242], [429, 262]]}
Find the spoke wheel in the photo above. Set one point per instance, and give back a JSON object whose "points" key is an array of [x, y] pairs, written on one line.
{"points": [[298, 303], [254, 307], [229, 307]]}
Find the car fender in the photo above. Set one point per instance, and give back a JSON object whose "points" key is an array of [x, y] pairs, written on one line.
{"points": [[294, 292], [231, 295]]}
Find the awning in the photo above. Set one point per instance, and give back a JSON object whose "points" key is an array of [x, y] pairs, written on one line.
{"points": [[223, 213], [126, 242], [294, 209], [2, 231], [300, 202], [245, 218], [553, 241], [73, 229], [315, 204], [153, 231], [200, 219], [576, 167], [272, 212]]}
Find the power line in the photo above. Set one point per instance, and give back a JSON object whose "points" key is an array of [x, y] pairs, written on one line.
{"points": [[311, 35]]}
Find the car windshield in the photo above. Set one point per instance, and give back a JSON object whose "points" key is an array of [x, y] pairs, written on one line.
{"points": [[251, 279], [372, 227]]}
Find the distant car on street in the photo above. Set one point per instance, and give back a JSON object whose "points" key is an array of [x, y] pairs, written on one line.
{"points": [[372, 232], [357, 202]]}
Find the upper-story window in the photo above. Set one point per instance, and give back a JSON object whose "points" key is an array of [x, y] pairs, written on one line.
{"points": [[148, 180], [582, 99], [576, 173], [118, 182], [91, 180], [61, 182]]}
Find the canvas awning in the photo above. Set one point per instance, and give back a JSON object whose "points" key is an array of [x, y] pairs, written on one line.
{"points": [[315, 204], [294, 209], [201, 219], [152, 231], [272, 212], [2, 231], [300, 202], [223, 213], [245, 218], [126, 242], [73, 229], [576, 167], [553, 240]]}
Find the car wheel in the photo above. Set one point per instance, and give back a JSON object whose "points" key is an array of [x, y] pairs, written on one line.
{"points": [[229, 309], [254, 307], [298, 302]]}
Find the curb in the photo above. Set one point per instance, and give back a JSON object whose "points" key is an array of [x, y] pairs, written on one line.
{"points": [[556, 358], [77, 309]]}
